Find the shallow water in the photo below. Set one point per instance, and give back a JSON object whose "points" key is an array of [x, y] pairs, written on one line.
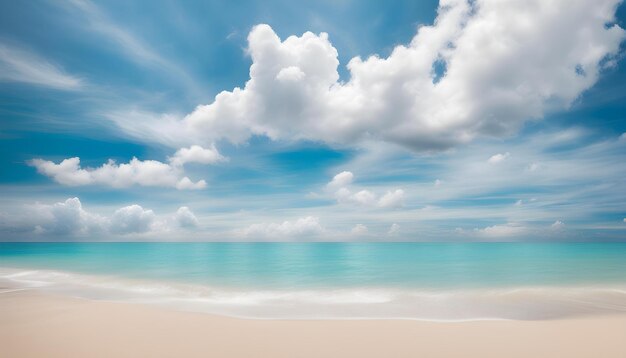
{"points": [[430, 281]]}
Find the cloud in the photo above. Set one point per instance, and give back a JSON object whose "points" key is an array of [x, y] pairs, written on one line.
{"points": [[340, 180], [136, 172], [130, 44], [185, 218], [502, 231], [294, 230], [393, 229], [339, 187], [186, 184], [20, 65], [498, 158], [132, 219], [359, 230], [533, 167], [392, 199], [557, 225], [587, 167], [517, 230], [65, 218], [68, 219], [197, 154], [505, 63], [362, 197]]}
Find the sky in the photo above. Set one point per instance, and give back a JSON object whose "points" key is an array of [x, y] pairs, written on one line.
{"points": [[342, 120]]}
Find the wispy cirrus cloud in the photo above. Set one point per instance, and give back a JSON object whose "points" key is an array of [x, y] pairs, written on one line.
{"points": [[132, 46], [98, 21], [21, 65]]}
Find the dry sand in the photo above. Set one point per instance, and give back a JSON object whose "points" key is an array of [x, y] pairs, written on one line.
{"points": [[33, 324]]}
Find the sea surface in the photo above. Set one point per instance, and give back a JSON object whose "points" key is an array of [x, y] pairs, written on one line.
{"points": [[424, 281]]}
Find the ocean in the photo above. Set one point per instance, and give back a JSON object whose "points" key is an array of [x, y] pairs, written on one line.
{"points": [[424, 281]]}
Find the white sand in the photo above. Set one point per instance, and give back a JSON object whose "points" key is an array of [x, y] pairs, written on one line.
{"points": [[34, 324]]}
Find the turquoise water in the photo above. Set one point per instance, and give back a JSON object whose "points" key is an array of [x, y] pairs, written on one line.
{"points": [[305, 265], [410, 280]]}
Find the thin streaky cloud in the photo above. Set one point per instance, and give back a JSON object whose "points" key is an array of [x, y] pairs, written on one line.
{"points": [[21, 65], [100, 23], [132, 46]]}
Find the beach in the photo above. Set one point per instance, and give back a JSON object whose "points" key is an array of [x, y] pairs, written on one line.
{"points": [[312, 300], [38, 324]]}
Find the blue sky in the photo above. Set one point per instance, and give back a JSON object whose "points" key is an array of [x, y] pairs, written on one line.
{"points": [[472, 121]]}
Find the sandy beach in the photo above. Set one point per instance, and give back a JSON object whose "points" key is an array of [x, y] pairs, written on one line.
{"points": [[36, 324]]}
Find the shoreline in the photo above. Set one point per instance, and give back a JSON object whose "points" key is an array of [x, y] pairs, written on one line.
{"points": [[40, 324], [344, 303]]}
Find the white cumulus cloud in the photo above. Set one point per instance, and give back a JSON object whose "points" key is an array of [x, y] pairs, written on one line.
{"points": [[504, 62], [186, 184], [392, 199], [340, 180], [502, 231], [197, 154], [63, 218], [132, 219], [136, 172], [339, 187], [302, 227], [393, 229], [359, 229], [69, 219], [362, 197], [184, 217], [557, 225], [498, 158]]}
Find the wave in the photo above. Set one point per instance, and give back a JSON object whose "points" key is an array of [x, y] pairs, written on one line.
{"points": [[519, 303]]}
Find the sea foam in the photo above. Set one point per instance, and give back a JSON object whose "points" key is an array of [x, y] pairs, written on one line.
{"points": [[518, 303]]}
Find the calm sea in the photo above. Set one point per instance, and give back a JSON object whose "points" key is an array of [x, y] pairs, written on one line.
{"points": [[432, 281]]}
